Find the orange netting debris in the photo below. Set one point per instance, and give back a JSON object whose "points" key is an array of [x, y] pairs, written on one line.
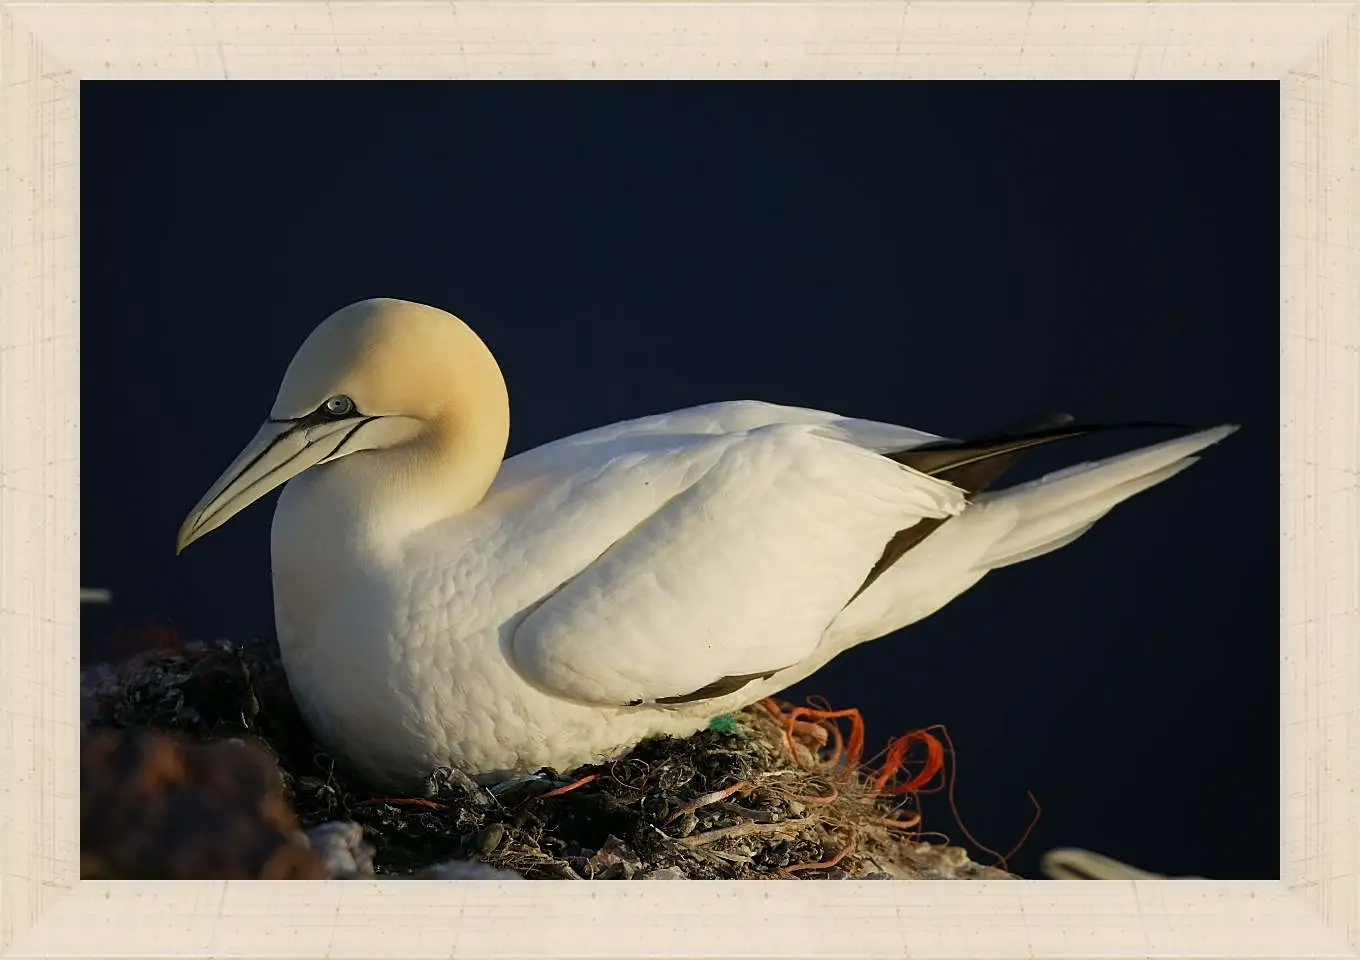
{"points": [[902, 771], [833, 749]]}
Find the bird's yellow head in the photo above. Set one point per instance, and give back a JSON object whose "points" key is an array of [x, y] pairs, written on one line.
{"points": [[377, 375]]}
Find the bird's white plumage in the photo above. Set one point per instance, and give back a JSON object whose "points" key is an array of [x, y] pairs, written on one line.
{"points": [[556, 617], [615, 567], [760, 535]]}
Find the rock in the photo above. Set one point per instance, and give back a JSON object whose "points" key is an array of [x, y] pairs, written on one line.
{"points": [[341, 846], [156, 807], [447, 781], [490, 838], [613, 861], [664, 873], [938, 861], [465, 870]]}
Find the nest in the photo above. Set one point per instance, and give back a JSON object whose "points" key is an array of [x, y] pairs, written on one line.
{"points": [[773, 792]]}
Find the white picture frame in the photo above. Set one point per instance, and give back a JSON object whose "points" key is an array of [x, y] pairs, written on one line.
{"points": [[1313, 49]]}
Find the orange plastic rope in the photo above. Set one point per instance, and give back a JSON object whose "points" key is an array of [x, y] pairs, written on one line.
{"points": [[568, 788], [895, 760]]}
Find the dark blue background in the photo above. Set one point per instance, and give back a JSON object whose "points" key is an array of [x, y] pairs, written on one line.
{"points": [[947, 256]]}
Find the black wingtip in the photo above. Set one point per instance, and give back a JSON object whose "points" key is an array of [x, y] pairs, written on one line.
{"points": [[975, 464], [1047, 421]]}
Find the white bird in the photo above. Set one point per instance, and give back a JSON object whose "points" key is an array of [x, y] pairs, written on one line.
{"points": [[438, 605]]}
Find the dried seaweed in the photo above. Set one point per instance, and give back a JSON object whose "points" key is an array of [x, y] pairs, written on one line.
{"points": [[745, 799]]}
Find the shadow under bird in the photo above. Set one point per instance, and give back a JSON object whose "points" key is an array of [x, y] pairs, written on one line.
{"points": [[438, 604]]}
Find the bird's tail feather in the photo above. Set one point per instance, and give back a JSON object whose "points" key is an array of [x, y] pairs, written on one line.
{"points": [[1043, 535], [1056, 509], [919, 575]]}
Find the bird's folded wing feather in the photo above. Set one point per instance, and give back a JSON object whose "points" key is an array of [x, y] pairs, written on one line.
{"points": [[721, 418], [751, 545]]}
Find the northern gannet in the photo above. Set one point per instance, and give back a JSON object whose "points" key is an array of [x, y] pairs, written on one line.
{"points": [[437, 604]]}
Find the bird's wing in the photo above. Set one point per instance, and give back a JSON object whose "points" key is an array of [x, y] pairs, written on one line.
{"points": [[692, 562]]}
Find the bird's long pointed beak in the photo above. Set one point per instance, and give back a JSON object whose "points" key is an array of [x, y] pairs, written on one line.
{"points": [[280, 451]]}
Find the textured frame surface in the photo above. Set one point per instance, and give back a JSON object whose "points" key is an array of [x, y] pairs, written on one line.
{"points": [[46, 48]]}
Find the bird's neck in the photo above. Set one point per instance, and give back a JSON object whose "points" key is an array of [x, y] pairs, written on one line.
{"points": [[450, 467], [377, 499]]}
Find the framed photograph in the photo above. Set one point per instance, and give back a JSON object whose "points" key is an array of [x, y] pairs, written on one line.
{"points": [[773, 314]]}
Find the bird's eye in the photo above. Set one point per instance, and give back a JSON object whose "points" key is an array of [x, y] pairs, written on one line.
{"points": [[340, 406]]}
